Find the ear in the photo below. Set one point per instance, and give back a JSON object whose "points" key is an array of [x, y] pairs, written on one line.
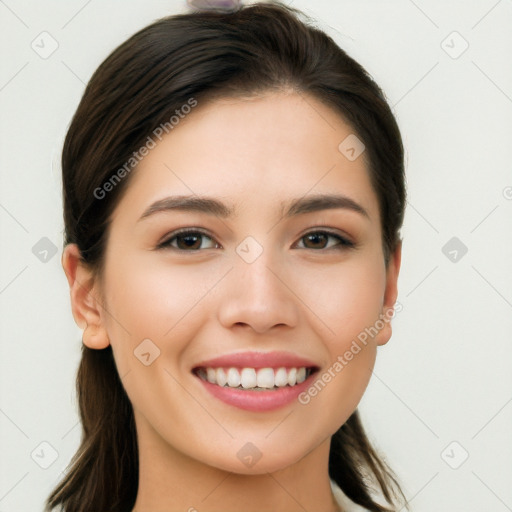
{"points": [[84, 293], [390, 295]]}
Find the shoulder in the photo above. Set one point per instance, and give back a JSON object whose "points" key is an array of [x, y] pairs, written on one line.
{"points": [[346, 504]]}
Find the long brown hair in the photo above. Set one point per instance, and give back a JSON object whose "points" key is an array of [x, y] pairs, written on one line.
{"points": [[140, 86]]}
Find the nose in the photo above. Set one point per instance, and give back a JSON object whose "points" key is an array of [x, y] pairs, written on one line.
{"points": [[258, 296]]}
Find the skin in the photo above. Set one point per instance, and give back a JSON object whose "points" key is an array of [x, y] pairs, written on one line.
{"points": [[251, 154]]}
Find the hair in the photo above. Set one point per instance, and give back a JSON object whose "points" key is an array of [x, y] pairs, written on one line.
{"points": [[265, 47]]}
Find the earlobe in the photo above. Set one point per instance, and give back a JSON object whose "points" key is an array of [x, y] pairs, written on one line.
{"points": [[390, 295], [85, 306], [95, 338]]}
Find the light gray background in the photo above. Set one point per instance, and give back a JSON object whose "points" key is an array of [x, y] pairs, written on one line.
{"points": [[446, 374]]}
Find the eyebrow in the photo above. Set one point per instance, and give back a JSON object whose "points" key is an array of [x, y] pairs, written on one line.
{"points": [[212, 206]]}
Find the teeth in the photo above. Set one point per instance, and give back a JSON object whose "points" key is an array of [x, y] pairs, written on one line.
{"points": [[211, 375], [251, 378], [265, 378], [301, 375], [221, 377], [281, 377], [233, 378], [247, 378]]}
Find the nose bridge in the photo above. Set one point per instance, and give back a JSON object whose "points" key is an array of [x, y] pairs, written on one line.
{"points": [[259, 278], [256, 262], [257, 294]]}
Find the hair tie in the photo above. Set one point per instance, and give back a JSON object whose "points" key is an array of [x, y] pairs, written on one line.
{"points": [[214, 5]]}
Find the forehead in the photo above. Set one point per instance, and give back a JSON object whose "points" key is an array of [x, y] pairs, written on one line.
{"points": [[260, 151]]}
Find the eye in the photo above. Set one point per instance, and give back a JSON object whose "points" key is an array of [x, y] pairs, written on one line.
{"points": [[320, 240], [193, 240], [188, 240]]}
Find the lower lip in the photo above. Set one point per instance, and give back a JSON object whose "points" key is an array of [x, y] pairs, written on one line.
{"points": [[257, 400]]}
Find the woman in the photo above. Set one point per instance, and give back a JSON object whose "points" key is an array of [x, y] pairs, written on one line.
{"points": [[233, 193]]}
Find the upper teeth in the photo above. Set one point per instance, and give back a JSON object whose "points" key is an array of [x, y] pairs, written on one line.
{"points": [[249, 378]]}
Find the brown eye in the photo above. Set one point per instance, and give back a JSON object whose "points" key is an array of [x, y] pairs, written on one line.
{"points": [[316, 240], [320, 240], [187, 241]]}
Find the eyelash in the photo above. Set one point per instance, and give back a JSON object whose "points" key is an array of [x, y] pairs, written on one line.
{"points": [[342, 245]]}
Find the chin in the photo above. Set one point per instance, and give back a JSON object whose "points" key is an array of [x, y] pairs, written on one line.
{"points": [[262, 467], [247, 459]]}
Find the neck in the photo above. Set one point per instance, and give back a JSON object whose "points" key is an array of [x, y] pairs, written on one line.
{"points": [[170, 480]]}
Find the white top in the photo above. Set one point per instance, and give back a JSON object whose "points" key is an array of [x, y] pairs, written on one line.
{"points": [[346, 504]]}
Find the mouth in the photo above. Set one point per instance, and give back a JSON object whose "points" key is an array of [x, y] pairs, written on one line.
{"points": [[256, 381]]}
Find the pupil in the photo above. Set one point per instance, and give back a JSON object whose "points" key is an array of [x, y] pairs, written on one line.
{"points": [[189, 240], [317, 238]]}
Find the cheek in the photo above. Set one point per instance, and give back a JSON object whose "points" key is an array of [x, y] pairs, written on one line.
{"points": [[347, 299], [156, 300], [349, 302], [161, 302], [158, 290]]}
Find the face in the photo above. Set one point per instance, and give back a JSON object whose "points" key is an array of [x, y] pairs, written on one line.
{"points": [[269, 282]]}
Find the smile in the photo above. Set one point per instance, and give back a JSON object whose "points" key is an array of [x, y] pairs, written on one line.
{"points": [[254, 379]]}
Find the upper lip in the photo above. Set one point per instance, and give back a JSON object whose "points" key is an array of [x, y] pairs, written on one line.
{"points": [[250, 359]]}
